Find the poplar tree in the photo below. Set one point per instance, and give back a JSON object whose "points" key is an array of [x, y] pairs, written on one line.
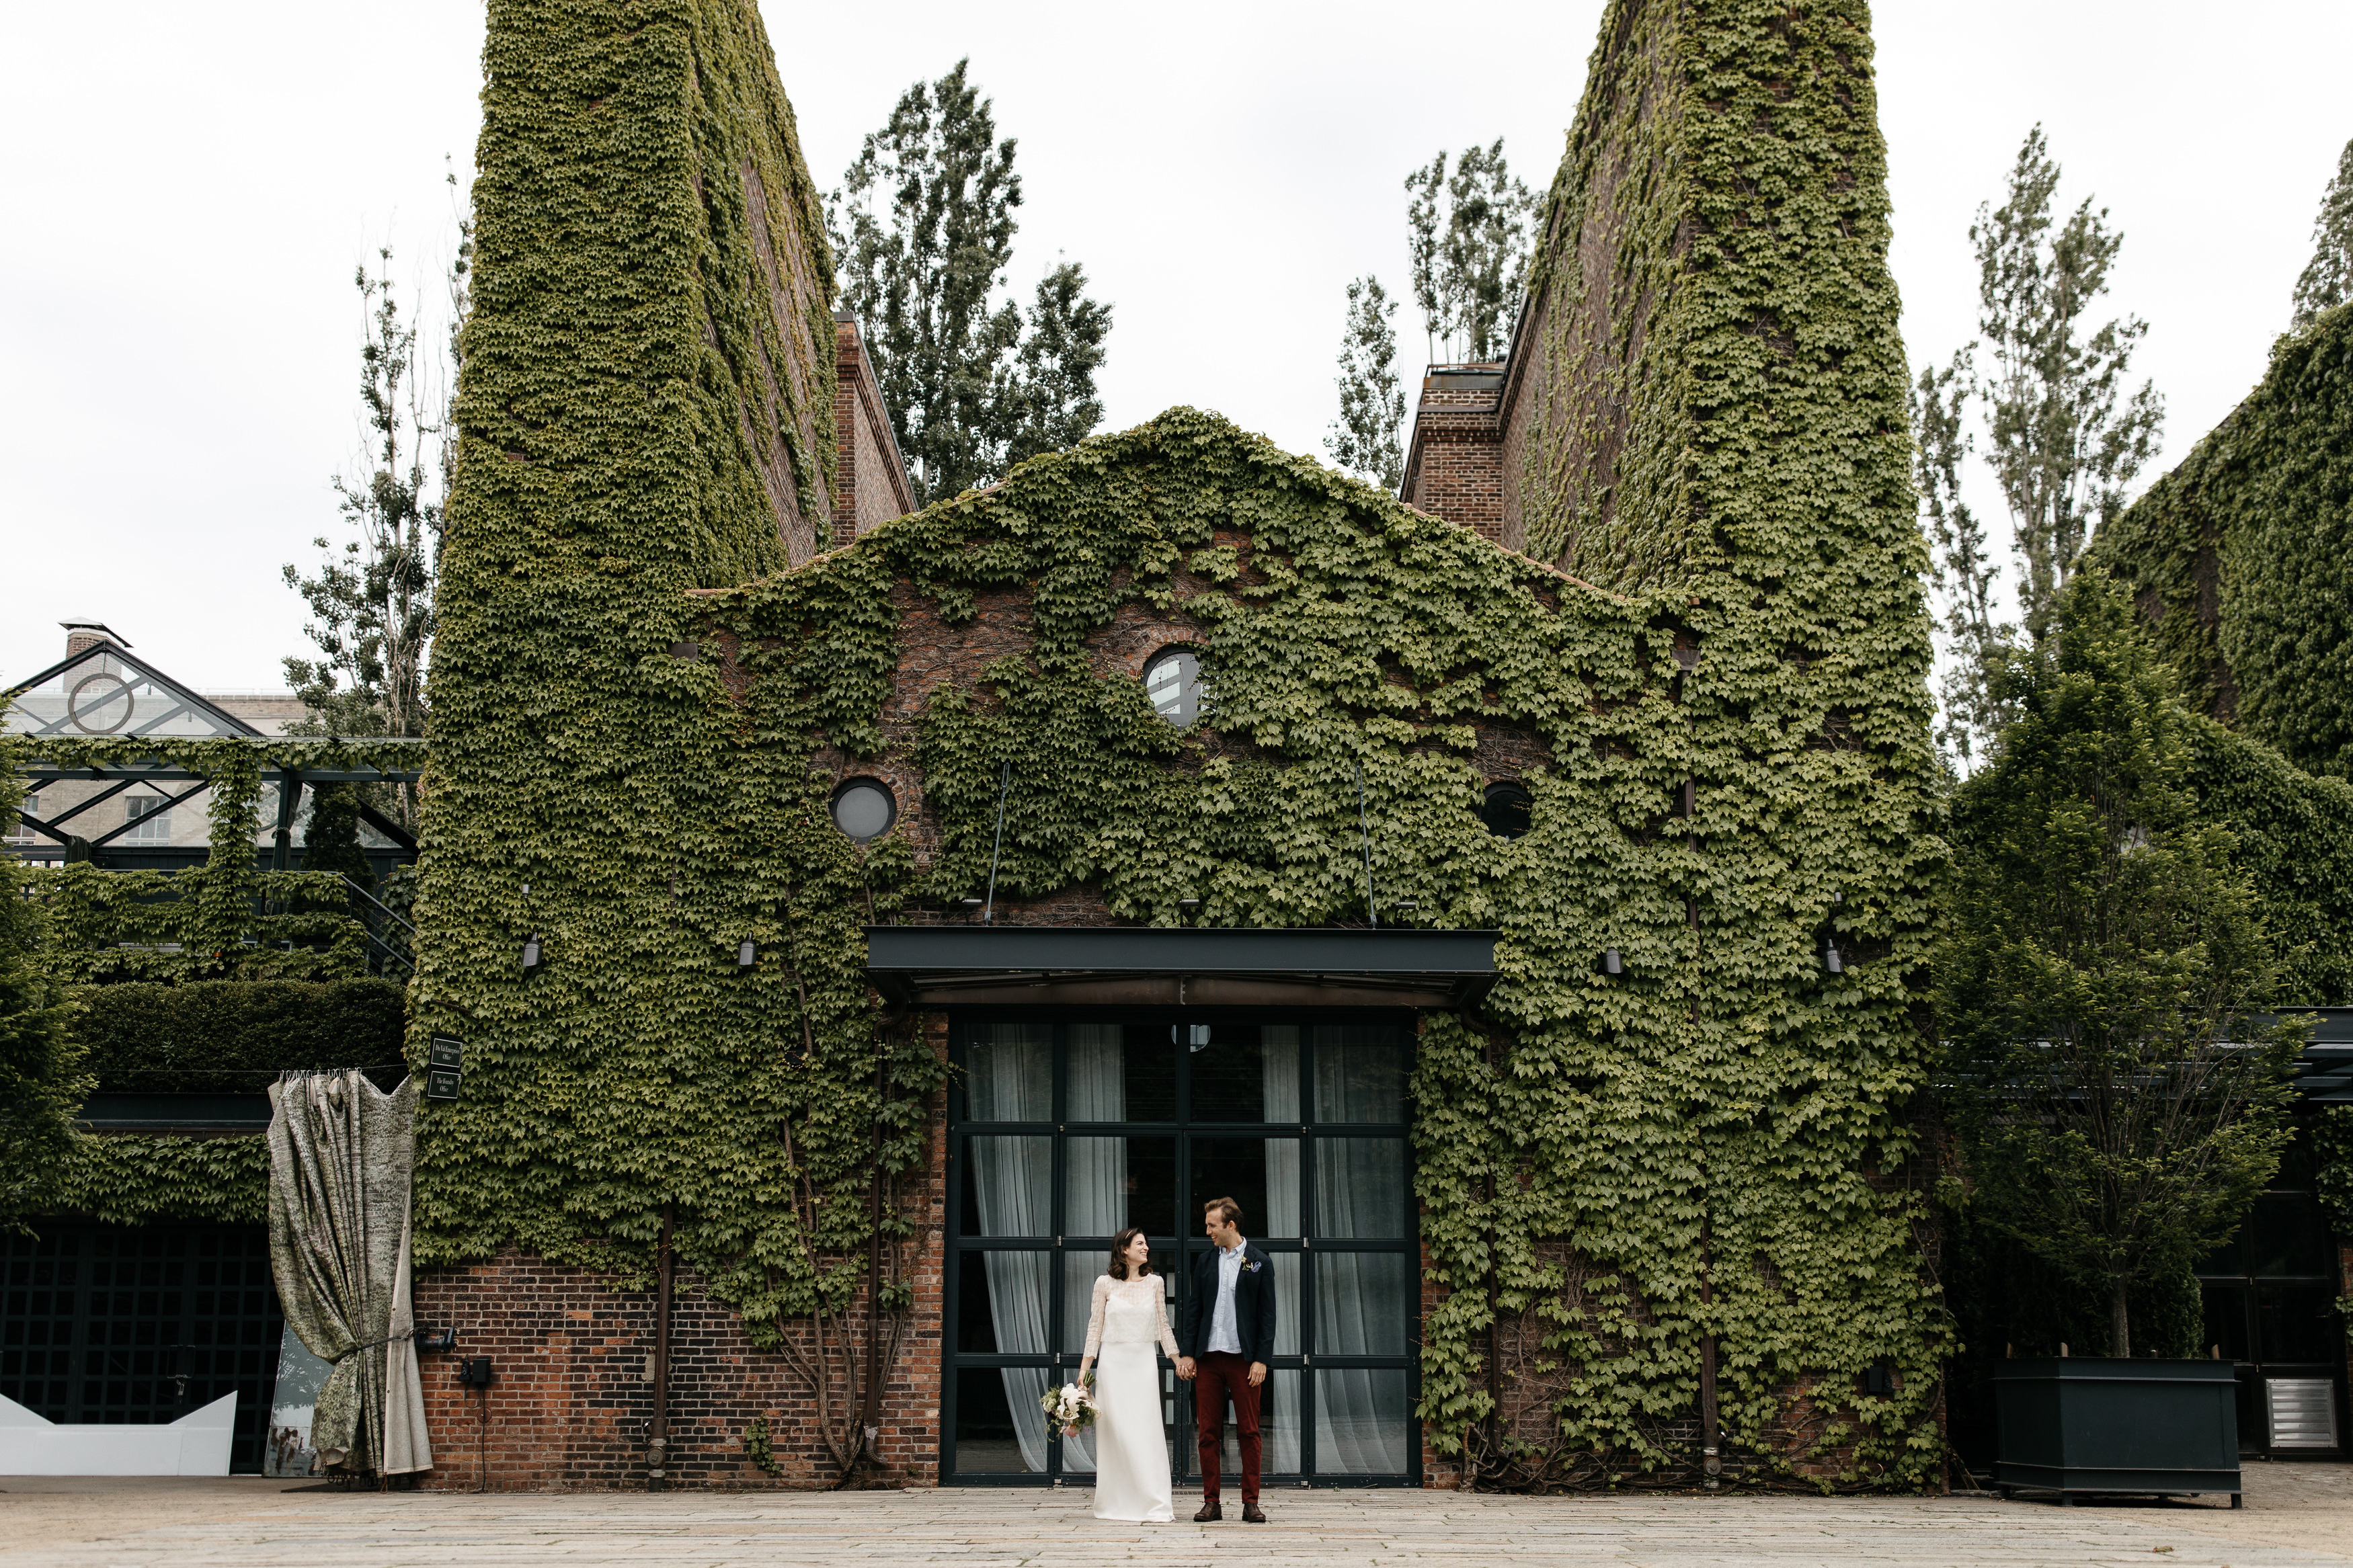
{"points": [[1365, 438], [1468, 233], [2102, 960], [2327, 279], [2063, 436], [922, 232]]}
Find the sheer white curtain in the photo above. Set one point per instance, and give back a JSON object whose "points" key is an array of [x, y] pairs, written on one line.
{"points": [[1279, 1427], [1012, 1080], [1360, 1302], [1094, 1196]]}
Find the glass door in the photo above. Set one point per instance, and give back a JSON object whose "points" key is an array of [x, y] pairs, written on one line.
{"points": [[1065, 1132]]}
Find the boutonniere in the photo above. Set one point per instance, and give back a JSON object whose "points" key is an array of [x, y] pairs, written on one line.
{"points": [[1249, 1264]]}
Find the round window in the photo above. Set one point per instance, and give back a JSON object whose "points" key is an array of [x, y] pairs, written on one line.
{"points": [[1508, 810], [864, 808], [1172, 682]]}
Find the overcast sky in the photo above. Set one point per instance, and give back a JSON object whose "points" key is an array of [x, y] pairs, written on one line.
{"points": [[178, 329]]}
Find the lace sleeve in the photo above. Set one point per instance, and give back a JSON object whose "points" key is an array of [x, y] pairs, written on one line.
{"points": [[1095, 1317], [1160, 1319]]}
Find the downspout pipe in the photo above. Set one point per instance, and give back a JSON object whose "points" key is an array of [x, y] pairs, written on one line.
{"points": [[658, 1429]]}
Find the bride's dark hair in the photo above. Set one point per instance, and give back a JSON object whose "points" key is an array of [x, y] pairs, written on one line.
{"points": [[1119, 1253]]}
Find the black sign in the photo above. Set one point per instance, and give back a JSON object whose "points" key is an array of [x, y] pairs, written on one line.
{"points": [[441, 1083], [445, 1050]]}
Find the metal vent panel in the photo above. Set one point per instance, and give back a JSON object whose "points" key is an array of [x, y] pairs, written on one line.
{"points": [[2303, 1412]]}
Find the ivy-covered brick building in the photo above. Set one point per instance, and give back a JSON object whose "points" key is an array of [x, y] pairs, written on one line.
{"points": [[1524, 918], [1516, 894]]}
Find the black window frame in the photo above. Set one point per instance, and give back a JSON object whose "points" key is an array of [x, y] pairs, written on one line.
{"points": [[1185, 1247], [154, 1329]]}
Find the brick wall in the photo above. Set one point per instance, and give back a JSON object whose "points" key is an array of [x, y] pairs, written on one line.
{"points": [[572, 1391]]}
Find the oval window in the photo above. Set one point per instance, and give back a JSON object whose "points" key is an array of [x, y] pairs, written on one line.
{"points": [[864, 809], [1172, 682], [1509, 809]]}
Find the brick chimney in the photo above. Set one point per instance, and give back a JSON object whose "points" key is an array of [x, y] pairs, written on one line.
{"points": [[870, 482], [88, 634], [1454, 468]]}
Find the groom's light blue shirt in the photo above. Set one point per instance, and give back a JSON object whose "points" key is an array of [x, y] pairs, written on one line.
{"points": [[1223, 1335]]}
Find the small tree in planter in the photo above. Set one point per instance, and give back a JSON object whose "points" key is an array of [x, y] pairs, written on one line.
{"points": [[2101, 959]]}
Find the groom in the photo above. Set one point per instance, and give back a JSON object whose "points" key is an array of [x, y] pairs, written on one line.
{"points": [[1224, 1341]]}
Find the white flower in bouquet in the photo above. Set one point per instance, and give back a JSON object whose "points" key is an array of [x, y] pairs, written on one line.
{"points": [[1071, 1407]]}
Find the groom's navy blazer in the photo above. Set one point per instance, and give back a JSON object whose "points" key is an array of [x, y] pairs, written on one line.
{"points": [[1253, 1305]]}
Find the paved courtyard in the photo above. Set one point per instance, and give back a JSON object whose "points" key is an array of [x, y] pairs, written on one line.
{"points": [[2295, 1514]]}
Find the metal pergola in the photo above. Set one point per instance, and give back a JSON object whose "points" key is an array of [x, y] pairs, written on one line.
{"points": [[292, 777]]}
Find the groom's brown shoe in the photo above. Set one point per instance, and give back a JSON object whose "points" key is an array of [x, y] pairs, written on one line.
{"points": [[1254, 1514], [1210, 1512]]}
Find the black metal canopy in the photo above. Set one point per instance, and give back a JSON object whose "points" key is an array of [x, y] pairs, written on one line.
{"points": [[1180, 967], [2325, 1071]]}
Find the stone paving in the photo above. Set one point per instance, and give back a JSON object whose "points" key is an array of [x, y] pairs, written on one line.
{"points": [[2296, 1515]]}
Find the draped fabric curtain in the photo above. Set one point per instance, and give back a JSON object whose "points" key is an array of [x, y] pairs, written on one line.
{"points": [[342, 1157], [1279, 1427], [1012, 1080], [1094, 1196], [1359, 1296]]}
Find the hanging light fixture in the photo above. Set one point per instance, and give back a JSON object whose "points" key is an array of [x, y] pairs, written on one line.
{"points": [[1832, 961], [530, 953], [1611, 963], [746, 955]]}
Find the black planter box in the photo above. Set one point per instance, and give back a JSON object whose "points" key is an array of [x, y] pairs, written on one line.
{"points": [[2099, 1424]]}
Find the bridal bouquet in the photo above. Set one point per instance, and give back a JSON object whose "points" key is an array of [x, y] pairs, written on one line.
{"points": [[1071, 1407]]}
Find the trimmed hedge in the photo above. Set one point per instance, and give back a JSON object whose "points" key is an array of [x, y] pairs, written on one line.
{"points": [[228, 1036]]}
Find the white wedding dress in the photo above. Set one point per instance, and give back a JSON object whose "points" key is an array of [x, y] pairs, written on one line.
{"points": [[1130, 1318]]}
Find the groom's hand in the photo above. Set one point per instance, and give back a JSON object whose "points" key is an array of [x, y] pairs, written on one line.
{"points": [[1257, 1372], [1185, 1367]]}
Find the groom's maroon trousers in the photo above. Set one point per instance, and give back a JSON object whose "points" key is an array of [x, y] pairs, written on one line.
{"points": [[1217, 1374]]}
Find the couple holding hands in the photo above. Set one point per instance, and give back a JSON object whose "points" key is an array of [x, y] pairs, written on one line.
{"points": [[1227, 1336]]}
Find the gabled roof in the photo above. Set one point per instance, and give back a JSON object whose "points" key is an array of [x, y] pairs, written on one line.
{"points": [[105, 689]]}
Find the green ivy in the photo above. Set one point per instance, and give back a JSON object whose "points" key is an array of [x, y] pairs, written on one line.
{"points": [[646, 403], [1714, 375], [135, 1179], [2295, 843], [2239, 557]]}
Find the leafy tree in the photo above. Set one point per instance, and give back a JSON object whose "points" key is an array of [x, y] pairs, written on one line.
{"points": [[1363, 439], [969, 395], [1469, 233], [41, 1083], [2101, 958], [372, 601], [2063, 438], [2327, 279], [1960, 564], [1059, 360]]}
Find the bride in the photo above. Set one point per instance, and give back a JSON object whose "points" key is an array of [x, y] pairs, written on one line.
{"points": [[1130, 1318]]}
